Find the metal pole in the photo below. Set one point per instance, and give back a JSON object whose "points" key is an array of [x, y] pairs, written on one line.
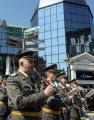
{"points": [[23, 40]]}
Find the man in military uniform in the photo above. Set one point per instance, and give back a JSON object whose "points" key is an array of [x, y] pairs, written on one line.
{"points": [[24, 99], [3, 99], [51, 109], [75, 111], [62, 78]]}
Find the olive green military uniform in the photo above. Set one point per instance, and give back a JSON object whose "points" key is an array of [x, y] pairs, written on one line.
{"points": [[51, 109], [3, 103], [24, 99]]}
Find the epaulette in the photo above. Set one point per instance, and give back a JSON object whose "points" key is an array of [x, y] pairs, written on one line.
{"points": [[13, 74]]}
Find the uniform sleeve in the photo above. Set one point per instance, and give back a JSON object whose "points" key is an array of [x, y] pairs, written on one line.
{"points": [[3, 95], [18, 99]]}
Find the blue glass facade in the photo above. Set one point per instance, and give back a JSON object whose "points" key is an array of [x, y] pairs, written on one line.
{"points": [[4, 48], [67, 28], [78, 28], [51, 21]]}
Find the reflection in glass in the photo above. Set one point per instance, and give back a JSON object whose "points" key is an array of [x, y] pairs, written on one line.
{"points": [[61, 32], [47, 27], [41, 36], [55, 50], [53, 25], [48, 43], [53, 9], [54, 33], [60, 16], [60, 8], [62, 57], [55, 58], [68, 16], [61, 40], [60, 24], [47, 35], [41, 53], [41, 28], [41, 13], [48, 58], [53, 18], [3, 49], [41, 21], [62, 49], [48, 51], [54, 41], [47, 11], [47, 20]]}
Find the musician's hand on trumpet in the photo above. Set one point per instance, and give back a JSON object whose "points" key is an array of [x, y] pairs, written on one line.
{"points": [[43, 85], [49, 90]]}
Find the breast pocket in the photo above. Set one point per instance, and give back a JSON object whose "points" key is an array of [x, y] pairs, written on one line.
{"points": [[27, 89]]}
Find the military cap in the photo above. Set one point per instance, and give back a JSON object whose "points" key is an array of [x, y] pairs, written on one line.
{"points": [[29, 55], [51, 68], [63, 74], [72, 81]]}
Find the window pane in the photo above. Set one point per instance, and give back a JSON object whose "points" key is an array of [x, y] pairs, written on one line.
{"points": [[54, 58], [42, 44], [47, 20], [68, 24], [47, 27], [59, 8], [60, 16], [41, 28], [62, 57], [53, 9], [48, 51], [41, 36], [75, 25], [48, 58], [10, 50], [53, 18], [60, 24], [61, 40], [3, 49], [54, 41], [47, 35], [74, 17], [41, 21], [62, 49], [55, 50], [54, 33], [47, 11], [47, 42], [68, 16], [67, 8], [53, 25], [41, 53], [63, 65], [41, 13], [61, 32], [3, 42]]}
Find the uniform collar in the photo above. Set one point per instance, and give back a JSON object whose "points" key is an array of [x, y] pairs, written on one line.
{"points": [[23, 73]]}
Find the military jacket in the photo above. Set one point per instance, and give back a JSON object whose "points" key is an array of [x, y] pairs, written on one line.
{"points": [[23, 93]]}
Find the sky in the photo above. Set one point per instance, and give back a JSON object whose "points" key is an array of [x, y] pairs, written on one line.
{"points": [[19, 12]]}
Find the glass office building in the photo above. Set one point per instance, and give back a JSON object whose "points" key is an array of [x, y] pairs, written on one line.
{"points": [[66, 27], [5, 51]]}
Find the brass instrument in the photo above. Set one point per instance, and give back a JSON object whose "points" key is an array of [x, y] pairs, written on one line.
{"points": [[55, 84]]}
